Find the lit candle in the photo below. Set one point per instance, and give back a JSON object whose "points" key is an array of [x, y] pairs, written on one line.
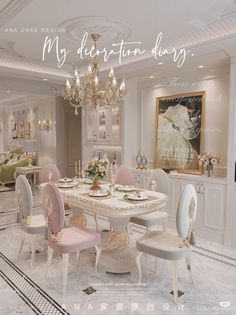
{"points": [[76, 72], [79, 167], [76, 167], [96, 80], [111, 73]]}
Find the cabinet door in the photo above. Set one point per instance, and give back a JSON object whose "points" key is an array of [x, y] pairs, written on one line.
{"points": [[214, 203]]}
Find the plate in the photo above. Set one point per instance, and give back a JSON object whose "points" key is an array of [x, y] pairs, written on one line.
{"points": [[126, 188], [137, 198], [88, 181], [99, 193], [65, 185], [65, 180]]}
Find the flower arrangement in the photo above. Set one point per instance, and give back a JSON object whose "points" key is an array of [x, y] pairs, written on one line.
{"points": [[208, 160], [97, 168]]}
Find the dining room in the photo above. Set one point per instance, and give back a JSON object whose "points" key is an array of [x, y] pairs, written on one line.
{"points": [[117, 157]]}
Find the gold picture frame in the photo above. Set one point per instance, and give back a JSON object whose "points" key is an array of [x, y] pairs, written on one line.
{"points": [[179, 132]]}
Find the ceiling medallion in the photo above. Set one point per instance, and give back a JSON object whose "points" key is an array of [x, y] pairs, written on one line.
{"points": [[110, 30]]}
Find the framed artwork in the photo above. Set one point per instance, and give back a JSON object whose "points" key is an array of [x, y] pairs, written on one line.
{"points": [[27, 130], [21, 126], [178, 132], [14, 130]]}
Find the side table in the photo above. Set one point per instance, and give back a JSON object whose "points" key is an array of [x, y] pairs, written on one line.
{"points": [[34, 170]]}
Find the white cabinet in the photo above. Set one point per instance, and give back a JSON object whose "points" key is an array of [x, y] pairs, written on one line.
{"points": [[211, 201], [102, 126]]}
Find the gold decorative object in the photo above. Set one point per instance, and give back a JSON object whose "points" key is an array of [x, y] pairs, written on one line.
{"points": [[77, 221], [96, 185], [46, 124], [90, 92], [118, 240]]}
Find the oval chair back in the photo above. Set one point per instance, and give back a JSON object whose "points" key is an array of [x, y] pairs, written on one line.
{"points": [[53, 208], [160, 182], [46, 171], [124, 176], [186, 212], [24, 198]]}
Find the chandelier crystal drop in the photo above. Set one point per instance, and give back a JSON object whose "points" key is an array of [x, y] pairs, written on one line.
{"points": [[89, 91]]}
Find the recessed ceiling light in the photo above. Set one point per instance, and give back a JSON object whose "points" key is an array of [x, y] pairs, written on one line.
{"points": [[151, 77], [8, 91], [201, 67], [160, 63], [45, 79]]}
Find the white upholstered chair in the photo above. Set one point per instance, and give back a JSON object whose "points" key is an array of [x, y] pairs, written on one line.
{"points": [[31, 225], [160, 182], [168, 246]]}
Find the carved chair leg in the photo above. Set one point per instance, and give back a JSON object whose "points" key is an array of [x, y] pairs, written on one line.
{"points": [[138, 262]]}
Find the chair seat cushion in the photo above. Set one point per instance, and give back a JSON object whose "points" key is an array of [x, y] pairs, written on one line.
{"points": [[151, 219], [72, 240], [162, 245], [36, 225]]}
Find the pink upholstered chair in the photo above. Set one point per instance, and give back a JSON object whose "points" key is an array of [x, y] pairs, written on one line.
{"points": [[31, 225], [124, 176], [65, 240], [46, 171], [50, 172]]}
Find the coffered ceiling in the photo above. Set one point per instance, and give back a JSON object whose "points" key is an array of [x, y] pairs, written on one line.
{"points": [[206, 27]]}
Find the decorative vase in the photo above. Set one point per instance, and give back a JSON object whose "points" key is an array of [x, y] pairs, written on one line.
{"points": [[138, 160], [209, 169], [95, 185], [144, 163]]}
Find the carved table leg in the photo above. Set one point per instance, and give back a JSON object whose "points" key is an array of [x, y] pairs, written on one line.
{"points": [[119, 258]]}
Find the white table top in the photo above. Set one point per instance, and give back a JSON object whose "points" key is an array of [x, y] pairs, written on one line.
{"points": [[112, 206]]}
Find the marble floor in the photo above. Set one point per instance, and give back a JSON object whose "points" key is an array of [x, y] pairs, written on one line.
{"points": [[214, 291]]}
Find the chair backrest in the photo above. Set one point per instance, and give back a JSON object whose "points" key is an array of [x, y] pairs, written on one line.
{"points": [[159, 181], [187, 210], [46, 171], [124, 176], [53, 208], [24, 198]]}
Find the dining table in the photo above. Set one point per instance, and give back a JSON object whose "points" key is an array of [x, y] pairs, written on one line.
{"points": [[118, 205]]}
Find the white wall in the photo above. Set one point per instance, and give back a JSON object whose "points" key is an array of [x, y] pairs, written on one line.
{"points": [[46, 140], [130, 124], [216, 114]]}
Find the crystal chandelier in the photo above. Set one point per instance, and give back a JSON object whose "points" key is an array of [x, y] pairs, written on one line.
{"points": [[90, 92]]}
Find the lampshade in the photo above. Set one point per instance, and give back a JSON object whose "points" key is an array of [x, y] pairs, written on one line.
{"points": [[29, 146]]}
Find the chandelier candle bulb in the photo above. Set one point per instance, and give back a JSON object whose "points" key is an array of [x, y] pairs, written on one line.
{"points": [[96, 80], [114, 81], [76, 72], [89, 68], [68, 83], [77, 81], [111, 73]]}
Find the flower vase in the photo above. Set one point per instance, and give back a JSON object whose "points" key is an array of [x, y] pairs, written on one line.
{"points": [[209, 170], [95, 185]]}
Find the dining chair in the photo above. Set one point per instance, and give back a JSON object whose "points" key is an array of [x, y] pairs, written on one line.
{"points": [[124, 176], [65, 240], [30, 225], [159, 181], [172, 247], [49, 172]]}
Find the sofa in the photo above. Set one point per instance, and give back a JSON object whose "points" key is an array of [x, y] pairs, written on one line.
{"points": [[8, 162]]}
